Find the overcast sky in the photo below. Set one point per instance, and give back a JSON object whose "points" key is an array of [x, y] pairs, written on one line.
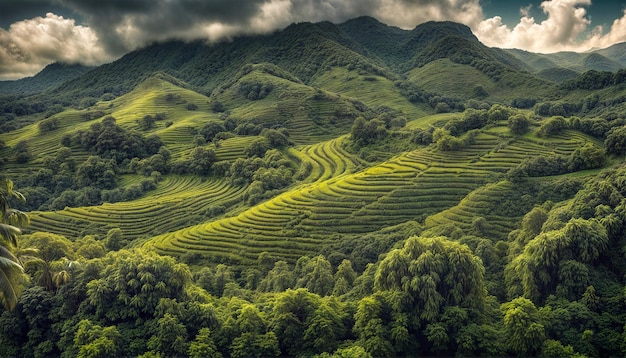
{"points": [[34, 33]]}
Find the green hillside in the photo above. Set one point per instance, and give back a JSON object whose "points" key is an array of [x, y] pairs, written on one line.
{"points": [[350, 190]]}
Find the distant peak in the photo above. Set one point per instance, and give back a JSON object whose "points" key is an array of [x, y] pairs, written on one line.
{"points": [[448, 26]]}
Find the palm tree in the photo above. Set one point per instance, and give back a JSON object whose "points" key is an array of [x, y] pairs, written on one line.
{"points": [[12, 276]]}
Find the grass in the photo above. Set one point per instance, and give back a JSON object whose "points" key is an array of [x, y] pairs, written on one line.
{"points": [[423, 185], [341, 196]]}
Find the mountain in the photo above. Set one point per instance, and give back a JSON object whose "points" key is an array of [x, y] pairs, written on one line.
{"points": [[351, 190], [566, 65], [51, 76], [306, 50]]}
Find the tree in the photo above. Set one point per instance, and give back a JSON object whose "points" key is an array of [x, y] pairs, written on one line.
{"points": [[115, 239], [257, 148], [278, 279], [292, 310], [373, 334], [325, 328], [132, 283], [210, 130], [552, 126], [170, 338], [433, 273], [344, 278], [203, 346], [201, 160], [97, 172], [21, 151], [615, 141], [518, 124], [146, 123], [12, 275], [52, 249], [92, 340], [523, 326], [318, 276]]}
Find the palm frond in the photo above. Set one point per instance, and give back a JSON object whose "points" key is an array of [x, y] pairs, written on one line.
{"points": [[10, 233], [16, 218], [11, 279]]}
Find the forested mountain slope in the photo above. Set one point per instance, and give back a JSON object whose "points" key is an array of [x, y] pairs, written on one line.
{"points": [[325, 190]]}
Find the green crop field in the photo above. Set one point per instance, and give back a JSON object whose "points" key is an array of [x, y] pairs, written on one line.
{"points": [[323, 190], [340, 195]]}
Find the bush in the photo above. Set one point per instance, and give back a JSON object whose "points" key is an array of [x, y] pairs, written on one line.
{"points": [[49, 125], [257, 148], [552, 126], [518, 124], [615, 141], [217, 107], [255, 90], [22, 152]]}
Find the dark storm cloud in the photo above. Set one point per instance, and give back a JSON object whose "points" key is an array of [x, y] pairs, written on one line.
{"points": [[214, 10], [17, 10], [125, 24], [98, 31]]}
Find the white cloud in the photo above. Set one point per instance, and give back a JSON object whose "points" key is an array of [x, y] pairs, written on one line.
{"points": [[408, 14], [566, 28], [114, 28], [29, 45]]}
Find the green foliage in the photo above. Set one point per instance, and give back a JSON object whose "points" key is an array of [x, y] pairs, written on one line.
{"points": [[170, 338], [110, 141], [585, 157], [552, 126], [203, 345], [254, 239], [21, 152], [366, 132], [49, 125], [523, 327], [433, 273], [92, 340], [518, 124], [615, 141], [201, 160], [317, 276], [12, 276], [132, 284], [255, 90]]}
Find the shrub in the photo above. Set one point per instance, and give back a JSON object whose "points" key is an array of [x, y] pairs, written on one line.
{"points": [[552, 126], [518, 124], [49, 125]]}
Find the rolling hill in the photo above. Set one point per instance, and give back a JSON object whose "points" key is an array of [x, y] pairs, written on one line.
{"points": [[311, 81], [562, 66], [352, 188]]}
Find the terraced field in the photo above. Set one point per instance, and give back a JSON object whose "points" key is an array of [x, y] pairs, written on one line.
{"points": [[480, 203], [177, 202], [341, 195], [310, 115], [339, 202]]}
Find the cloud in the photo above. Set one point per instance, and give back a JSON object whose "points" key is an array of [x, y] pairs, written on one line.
{"points": [[123, 25], [109, 29], [31, 44], [566, 28]]}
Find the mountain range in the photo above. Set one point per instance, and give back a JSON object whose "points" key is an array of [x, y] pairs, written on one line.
{"points": [[306, 49]]}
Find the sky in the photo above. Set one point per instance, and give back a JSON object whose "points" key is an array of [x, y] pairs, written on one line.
{"points": [[35, 33]]}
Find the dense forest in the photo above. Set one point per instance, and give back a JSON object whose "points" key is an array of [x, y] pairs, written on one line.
{"points": [[351, 190]]}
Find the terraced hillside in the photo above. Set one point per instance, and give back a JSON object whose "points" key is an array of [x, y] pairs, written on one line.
{"points": [[424, 185], [177, 202], [217, 195]]}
